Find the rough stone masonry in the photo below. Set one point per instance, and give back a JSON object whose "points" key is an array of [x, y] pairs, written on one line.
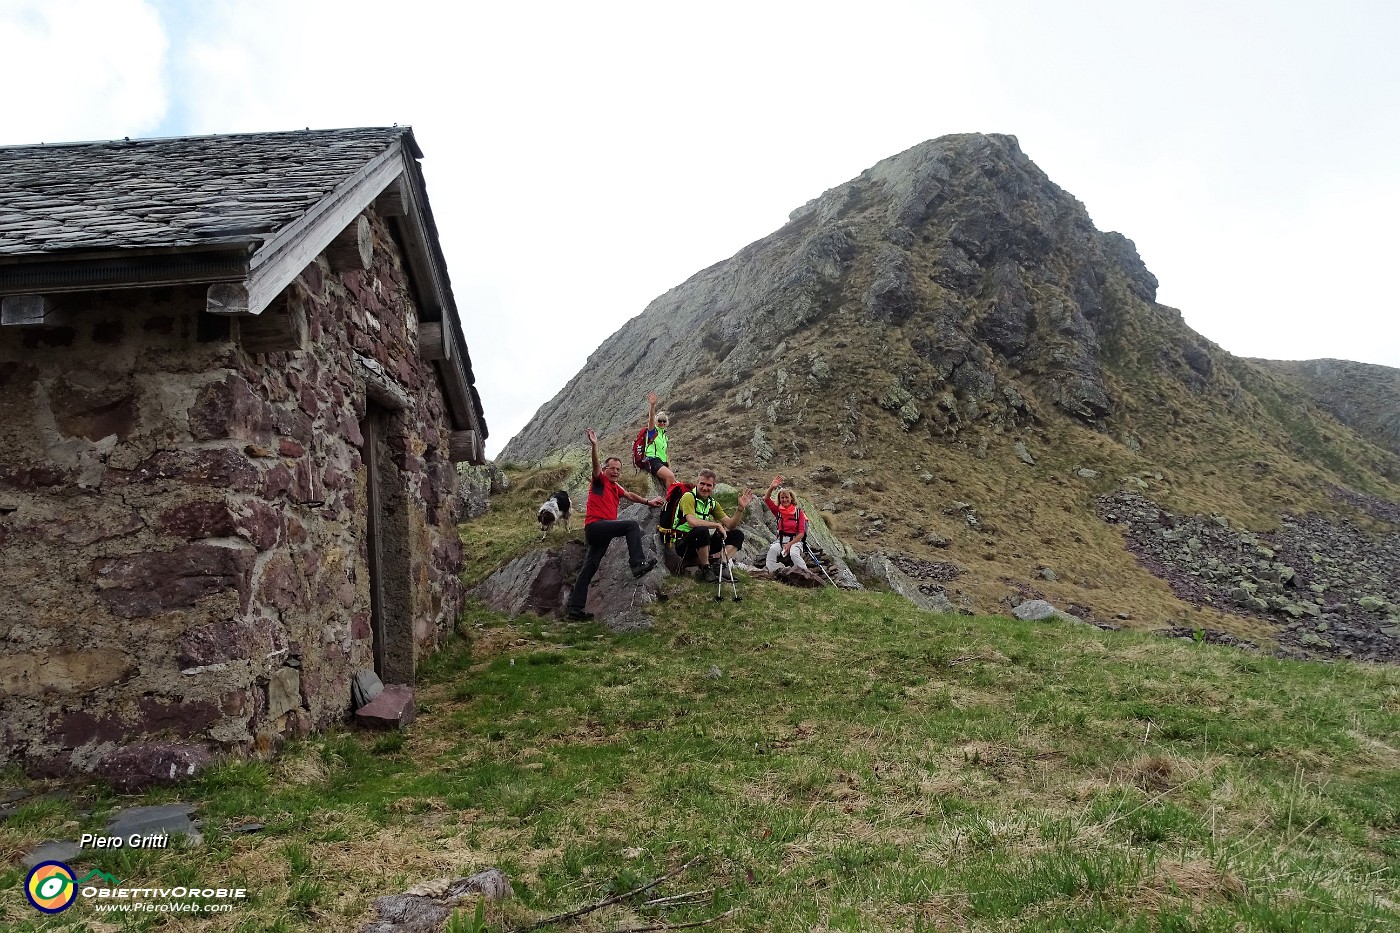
{"points": [[183, 523]]}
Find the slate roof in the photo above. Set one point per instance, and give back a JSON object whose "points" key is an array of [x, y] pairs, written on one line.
{"points": [[179, 192], [246, 211]]}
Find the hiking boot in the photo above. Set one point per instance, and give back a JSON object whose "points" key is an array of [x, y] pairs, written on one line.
{"points": [[578, 615], [708, 575], [643, 569]]}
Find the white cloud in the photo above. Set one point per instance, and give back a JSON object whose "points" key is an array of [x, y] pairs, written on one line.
{"points": [[81, 69]]}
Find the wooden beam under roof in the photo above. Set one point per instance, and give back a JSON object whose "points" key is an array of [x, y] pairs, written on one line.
{"points": [[280, 260]]}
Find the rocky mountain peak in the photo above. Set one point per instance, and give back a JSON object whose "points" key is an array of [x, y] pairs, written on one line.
{"points": [[992, 272], [956, 370]]}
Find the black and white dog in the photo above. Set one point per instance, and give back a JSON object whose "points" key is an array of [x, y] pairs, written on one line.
{"points": [[555, 508]]}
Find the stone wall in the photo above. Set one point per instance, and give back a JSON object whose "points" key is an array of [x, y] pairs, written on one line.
{"points": [[183, 551]]}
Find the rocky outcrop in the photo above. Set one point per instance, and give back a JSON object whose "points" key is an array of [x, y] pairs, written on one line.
{"points": [[541, 581], [919, 581], [532, 583], [475, 487]]}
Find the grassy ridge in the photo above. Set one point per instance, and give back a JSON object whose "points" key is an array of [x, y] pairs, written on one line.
{"points": [[860, 765], [842, 761]]}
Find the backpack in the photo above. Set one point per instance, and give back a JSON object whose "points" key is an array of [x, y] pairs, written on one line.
{"points": [[639, 450], [667, 525], [797, 518]]}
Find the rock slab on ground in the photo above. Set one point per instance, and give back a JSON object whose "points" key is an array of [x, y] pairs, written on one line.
{"points": [[1034, 610], [51, 850], [425, 908], [392, 709], [172, 818]]}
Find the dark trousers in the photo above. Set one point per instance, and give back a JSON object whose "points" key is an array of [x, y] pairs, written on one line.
{"points": [[599, 535], [696, 538]]}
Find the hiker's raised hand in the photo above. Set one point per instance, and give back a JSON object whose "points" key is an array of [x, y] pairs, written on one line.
{"points": [[651, 397], [746, 498], [592, 438], [777, 481]]}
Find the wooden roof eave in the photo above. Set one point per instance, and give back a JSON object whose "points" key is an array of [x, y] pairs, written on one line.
{"points": [[281, 258], [428, 268]]}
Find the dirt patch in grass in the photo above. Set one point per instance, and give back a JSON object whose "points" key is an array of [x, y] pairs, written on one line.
{"points": [[1195, 882]]}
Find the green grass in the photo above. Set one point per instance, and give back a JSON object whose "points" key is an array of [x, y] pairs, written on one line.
{"points": [[839, 761], [857, 765], [507, 530]]}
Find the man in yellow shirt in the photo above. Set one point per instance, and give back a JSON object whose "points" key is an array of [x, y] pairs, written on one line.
{"points": [[703, 525]]}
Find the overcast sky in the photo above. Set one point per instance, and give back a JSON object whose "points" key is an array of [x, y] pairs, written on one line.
{"points": [[582, 158]]}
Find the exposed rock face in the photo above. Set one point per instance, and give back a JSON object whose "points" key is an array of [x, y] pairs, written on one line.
{"points": [[916, 580], [983, 264], [541, 582], [532, 583], [475, 487]]}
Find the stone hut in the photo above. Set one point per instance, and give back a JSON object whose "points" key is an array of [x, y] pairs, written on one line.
{"points": [[233, 387]]}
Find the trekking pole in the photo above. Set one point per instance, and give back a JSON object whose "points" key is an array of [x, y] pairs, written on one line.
{"points": [[813, 554]]}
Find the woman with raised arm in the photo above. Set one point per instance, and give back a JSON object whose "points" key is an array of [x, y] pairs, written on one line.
{"points": [[657, 462], [792, 526]]}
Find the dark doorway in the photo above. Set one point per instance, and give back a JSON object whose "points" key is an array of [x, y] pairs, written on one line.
{"points": [[390, 578]]}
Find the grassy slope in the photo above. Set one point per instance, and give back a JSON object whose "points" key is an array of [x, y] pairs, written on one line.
{"points": [[855, 765]]}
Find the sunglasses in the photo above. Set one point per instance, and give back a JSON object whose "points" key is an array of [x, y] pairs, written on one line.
{"points": [[662, 421]]}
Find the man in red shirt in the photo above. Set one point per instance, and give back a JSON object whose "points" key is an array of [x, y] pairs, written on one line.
{"points": [[601, 525]]}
